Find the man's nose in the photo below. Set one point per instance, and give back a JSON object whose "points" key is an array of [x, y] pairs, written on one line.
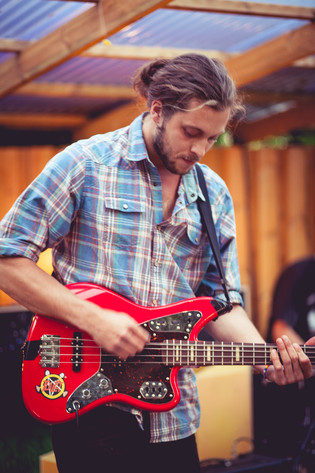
{"points": [[199, 148]]}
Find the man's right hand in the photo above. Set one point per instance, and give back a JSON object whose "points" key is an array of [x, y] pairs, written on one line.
{"points": [[118, 333]]}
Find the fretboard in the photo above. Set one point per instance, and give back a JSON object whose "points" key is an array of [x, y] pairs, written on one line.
{"points": [[198, 353]]}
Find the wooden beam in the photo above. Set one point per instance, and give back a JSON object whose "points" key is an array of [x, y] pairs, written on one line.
{"points": [[12, 45], [270, 96], [99, 22], [41, 121], [273, 55], [146, 53], [245, 8], [301, 116], [55, 89], [308, 62], [117, 118], [83, 1]]}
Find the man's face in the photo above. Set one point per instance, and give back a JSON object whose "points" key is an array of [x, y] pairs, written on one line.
{"points": [[181, 140]]}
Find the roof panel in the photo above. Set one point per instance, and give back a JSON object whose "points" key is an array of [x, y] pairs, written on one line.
{"points": [[93, 71], [32, 19], [203, 30]]}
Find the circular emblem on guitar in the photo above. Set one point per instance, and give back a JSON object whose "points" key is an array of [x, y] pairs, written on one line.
{"points": [[52, 386]]}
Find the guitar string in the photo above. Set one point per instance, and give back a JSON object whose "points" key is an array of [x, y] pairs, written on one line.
{"points": [[188, 345], [191, 342], [236, 350], [177, 362], [172, 353]]}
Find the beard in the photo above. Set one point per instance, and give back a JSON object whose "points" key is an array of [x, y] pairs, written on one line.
{"points": [[164, 151]]}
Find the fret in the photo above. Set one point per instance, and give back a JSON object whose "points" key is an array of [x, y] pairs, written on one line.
{"points": [[204, 353], [209, 354], [254, 361], [242, 353], [237, 354], [222, 353], [192, 353], [232, 360], [166, 353], [196, 353], [180, 352]]}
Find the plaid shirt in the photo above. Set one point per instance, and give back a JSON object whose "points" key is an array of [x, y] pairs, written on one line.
{"points": [[98, 205]]}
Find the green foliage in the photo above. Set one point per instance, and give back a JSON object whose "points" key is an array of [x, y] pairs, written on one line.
{"points": [[20, 451], [297, 137]]}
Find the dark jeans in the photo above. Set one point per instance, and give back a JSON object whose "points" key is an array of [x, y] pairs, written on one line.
{"points": [[109, 440]]}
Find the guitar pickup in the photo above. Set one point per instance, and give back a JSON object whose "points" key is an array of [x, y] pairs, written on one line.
{"points": [[153, 390], [77, 351], [50, 351]]}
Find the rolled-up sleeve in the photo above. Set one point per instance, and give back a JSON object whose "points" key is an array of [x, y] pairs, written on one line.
{"points": [[43, 213]]}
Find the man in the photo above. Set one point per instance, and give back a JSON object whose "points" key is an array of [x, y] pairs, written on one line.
{"points": [[120, 210]]}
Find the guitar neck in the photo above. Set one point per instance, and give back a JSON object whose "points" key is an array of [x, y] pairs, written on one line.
{"points": [[198, 353]]}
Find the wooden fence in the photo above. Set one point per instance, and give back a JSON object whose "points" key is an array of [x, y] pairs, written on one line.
{"points": [[273, 193]]}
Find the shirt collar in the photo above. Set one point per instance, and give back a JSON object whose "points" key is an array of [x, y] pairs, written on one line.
{"points": [[191, 186], [136, 146]]}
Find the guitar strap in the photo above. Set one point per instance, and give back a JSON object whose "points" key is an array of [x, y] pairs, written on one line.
{"points": [[207, 220]]}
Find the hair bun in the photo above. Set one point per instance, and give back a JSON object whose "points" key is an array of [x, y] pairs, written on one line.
{"points": [[143, 77], [150, 70]]}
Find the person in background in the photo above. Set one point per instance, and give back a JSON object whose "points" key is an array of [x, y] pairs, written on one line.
{"points": [[120, 210], [293, 309], [292, 314]]}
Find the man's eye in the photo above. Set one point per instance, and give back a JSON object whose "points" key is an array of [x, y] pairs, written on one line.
{"points": [[190, 133]]}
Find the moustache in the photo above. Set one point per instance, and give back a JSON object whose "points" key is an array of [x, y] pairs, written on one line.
{"points": [[191, 157]]}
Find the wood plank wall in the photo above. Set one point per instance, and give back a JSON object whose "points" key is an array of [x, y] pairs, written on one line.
{"points": [[273, 193]]}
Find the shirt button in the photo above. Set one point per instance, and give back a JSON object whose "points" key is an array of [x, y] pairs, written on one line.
{"points": [[154, 302], [125, 206], [156, 263], [196, 239], [192, 195]]}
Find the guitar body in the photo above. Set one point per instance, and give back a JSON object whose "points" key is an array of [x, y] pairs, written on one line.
{"points": [[66, 374]]}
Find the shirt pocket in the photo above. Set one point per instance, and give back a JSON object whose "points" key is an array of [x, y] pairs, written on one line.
{"points": [[124, 220], [194, 232]]}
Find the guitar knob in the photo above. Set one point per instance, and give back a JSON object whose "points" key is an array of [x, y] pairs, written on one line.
{"points": [[86, 393], [103, 383]]}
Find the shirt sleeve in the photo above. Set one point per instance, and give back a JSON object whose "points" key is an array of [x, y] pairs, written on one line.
{"points": [[43, 213], [224, 221]]}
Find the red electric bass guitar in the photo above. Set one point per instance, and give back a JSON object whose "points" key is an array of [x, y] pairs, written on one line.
{"points": [[66, 374]]}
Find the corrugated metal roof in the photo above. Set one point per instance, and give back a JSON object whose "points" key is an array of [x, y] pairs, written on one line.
{"points": [[203, 30], [31, 20]]}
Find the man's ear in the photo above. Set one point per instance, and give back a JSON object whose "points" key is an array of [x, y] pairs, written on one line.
{"points": [[156, 111]]}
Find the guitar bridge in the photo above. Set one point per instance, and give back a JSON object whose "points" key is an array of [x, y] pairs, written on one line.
{"points": [[50, 351]]}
